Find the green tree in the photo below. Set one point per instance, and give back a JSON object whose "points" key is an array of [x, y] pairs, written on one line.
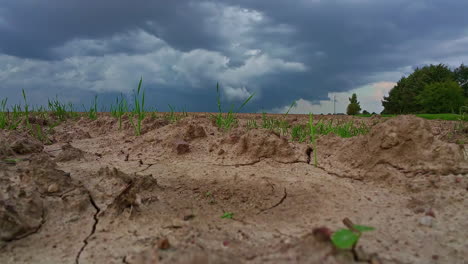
{"points": [[353, 107], [461, 76], [403, 98], [441, 97]]}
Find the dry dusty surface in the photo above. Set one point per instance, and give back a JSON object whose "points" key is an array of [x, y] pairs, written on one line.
{"points": [[100, 195]]}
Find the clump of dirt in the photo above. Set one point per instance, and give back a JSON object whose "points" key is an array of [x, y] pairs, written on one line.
{"points": [[21, 195], [21, 210], [398, 148], [140, 190], [19, 143], [42, 173], [152, 124], [193, 132], [192, 255], [255, 145], [35, 120], [70, 135], [112, 188], [69, 153], [5, 149]]}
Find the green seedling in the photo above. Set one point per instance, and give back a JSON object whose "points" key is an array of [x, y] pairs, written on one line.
{"points": [[59, 110], [119, 109], [298, 133], [251, 124], [276, 125], [228, 120], [293, 105], [26, 109], [313, 137], [3, 114], [92, 112], [348, 238], [228, 215], [11, 161], [138, 109]]}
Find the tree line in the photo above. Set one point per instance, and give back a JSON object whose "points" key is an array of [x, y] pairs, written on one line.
{"points": [[431, 89]]}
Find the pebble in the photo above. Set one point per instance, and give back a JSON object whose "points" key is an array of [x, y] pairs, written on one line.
{"points": [[426, 221], [53, 188]]}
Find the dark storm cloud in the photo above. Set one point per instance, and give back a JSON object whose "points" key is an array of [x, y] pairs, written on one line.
{"points": [[282, 50], [34, 27]]}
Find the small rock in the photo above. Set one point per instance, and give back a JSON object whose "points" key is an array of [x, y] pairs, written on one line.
{"points": [[189, 217], [53, 188], [426, 221], [182, 147], [431, 213], [164, 244], [322, 233], [221, 152], [361, 254]]}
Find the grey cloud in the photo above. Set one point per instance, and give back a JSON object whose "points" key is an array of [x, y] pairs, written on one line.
{"points": [[281, 50]]}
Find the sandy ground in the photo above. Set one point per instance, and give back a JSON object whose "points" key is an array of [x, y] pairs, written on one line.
{"points": [[100, 195]]}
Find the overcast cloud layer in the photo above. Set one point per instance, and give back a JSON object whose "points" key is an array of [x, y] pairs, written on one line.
{"points": [[304, 50]]}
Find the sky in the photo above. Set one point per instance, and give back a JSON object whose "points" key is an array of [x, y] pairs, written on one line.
{"points": [[308, 51]]}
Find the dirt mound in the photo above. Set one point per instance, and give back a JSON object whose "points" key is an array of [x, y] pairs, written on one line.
{"points": [[69, 153], [153, 123], [21, 210], [19, 143], [139, 191], [42, 173], [398, 148], [21, 203], [70, 135], [255, 145], [112, 188]]}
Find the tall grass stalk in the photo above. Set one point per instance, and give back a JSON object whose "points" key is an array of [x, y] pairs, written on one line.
{"points": [[92, 112], [58, 109], [26, 109], [3, 114], [138, 109], [228, 120], [119, 109], [313, 138]]}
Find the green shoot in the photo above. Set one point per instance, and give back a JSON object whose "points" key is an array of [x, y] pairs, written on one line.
{"points": [[298, 133], [120, 109], [348, 238], [3, 114], [228, 120], [228, 215], [26, 108], [313, 139], [251, 124], [138, 109], [11, 161], [92, 113], [294, 104], [58, 109]]}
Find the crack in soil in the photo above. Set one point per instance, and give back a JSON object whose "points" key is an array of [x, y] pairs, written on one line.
{"points": [[277, 204], [93, 230], [36, 230], [255, 162], [309, 153]]}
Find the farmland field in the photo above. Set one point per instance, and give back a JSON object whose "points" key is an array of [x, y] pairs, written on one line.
{"points": [[193, 188]]}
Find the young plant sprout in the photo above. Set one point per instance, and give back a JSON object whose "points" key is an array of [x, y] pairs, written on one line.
{"points": [[348, 238], [138, 109], [228, 120]]}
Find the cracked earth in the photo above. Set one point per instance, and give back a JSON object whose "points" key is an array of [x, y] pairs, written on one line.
{"points": [[100, 195]]}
